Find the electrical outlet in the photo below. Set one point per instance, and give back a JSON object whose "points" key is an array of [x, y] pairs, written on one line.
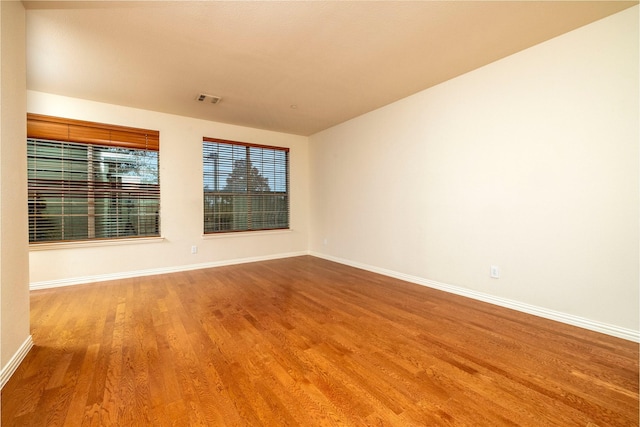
{"points": [[495, 272], [194, 249]]}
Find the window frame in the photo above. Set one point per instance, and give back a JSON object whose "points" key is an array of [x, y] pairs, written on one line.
{"points": [[208, 226]]}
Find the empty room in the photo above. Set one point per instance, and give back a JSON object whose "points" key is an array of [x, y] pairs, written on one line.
{"points": [[319, 213]]}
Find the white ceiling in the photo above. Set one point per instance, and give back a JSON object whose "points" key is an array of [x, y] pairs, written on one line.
{"points": [[333, 60]]}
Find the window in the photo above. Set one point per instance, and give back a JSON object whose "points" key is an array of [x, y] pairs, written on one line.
{"points": [[246, 186], [91, 181]]}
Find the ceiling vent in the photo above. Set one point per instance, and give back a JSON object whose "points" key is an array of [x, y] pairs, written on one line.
{"points": [[203, 97]]}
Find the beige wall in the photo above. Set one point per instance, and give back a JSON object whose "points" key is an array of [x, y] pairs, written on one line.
{"points": [[14, 269], [181, 199], [529, 163]]}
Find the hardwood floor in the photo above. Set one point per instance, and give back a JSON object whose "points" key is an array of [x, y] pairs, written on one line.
{"points": [[303, 341]]}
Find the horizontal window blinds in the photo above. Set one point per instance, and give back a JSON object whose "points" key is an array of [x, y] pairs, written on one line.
{"points": [[246, 186], [69, 130], [91, 183]]}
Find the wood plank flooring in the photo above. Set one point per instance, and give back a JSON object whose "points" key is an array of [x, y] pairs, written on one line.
{"points": [[306, 342]]}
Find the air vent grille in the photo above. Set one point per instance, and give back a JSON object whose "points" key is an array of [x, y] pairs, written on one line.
{"points": [[203, 97]]}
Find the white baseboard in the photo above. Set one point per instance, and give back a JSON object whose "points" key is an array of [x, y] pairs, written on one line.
{"points": [[150, 272], [10, 368], [616, 331]]}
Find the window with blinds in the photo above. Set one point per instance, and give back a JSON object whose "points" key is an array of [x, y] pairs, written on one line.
{"points": [[246, 186], [91, 181]]}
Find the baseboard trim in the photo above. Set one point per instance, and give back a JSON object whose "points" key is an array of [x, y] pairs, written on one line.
{"points": [[154, 271], [10, 368], [616, 331]]}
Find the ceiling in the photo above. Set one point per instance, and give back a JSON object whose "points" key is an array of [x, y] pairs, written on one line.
{"points": [[297, 67]]}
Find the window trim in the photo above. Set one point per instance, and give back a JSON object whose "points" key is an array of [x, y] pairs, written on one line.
{"points": [[246, 144], [75, 244]]}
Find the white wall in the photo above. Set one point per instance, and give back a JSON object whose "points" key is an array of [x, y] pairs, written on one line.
{"points": [[181, 200], [14, 269], [529, 163]]}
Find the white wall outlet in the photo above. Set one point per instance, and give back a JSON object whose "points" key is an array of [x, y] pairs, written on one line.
{"points": [[495, 272], [194, 249], [325, 241]]}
